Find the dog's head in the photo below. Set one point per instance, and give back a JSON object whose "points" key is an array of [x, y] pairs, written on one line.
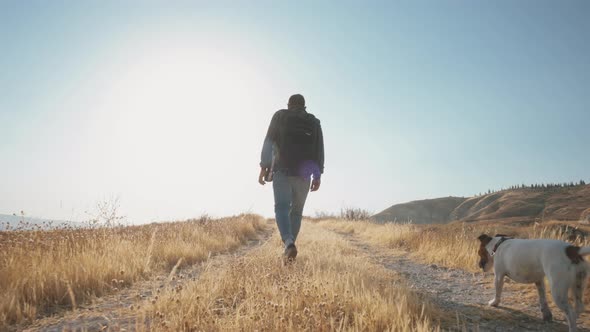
{"points": [[486, 261]]}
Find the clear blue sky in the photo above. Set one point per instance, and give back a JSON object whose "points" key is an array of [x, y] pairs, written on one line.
{"points": [[165, 103]]}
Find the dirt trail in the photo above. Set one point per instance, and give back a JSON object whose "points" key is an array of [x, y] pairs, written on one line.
{"points": [[464, 295], [118, 312]]}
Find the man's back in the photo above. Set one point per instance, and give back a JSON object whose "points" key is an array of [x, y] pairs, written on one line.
{"points": [[300, 143]]}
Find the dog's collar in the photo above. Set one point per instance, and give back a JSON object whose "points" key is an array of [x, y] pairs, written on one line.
{"points": [[502, 239]]}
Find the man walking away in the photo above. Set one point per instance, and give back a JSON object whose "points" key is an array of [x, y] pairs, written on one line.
{"points": [[292, 153]]}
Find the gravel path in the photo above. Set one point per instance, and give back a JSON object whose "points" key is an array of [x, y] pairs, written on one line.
{"points": [[463, 296]]}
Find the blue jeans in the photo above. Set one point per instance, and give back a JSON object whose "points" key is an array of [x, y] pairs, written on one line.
{"points": [[290, 193]]}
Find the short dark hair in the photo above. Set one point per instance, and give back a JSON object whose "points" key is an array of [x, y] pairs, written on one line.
{"points": [[297, 100]]}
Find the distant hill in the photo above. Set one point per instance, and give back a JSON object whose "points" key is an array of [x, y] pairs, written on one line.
{"points": [[515, 205], [427, 211], [10, 221]]}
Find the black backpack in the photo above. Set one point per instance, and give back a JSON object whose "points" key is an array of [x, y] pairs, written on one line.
{"points": [[298, 138]]}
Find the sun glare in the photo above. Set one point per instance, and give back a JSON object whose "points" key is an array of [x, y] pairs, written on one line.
{"points": [[173, 97]]}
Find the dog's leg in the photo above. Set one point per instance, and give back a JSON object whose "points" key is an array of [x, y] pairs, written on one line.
{"points": [[498, 284], [578, 290], [547, 316], [559, 290]]}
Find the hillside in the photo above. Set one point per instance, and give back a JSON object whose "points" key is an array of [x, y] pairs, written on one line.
{"points": [[427, 211], [516, 205]]}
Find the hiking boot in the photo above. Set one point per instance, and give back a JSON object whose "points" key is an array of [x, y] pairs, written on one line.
{"points": [[290, 252]]}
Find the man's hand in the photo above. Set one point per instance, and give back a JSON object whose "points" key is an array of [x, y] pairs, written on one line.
{"points": [[263, 172], [315, 184]]}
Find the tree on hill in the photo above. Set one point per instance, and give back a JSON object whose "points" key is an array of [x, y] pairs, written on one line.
{"points": [[542, 186]]}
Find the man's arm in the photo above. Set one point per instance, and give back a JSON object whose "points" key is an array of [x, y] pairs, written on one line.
{"points": [[267, 147], [315, 184], [320, 149]]}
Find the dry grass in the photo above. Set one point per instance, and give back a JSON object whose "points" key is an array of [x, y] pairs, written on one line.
{"points": [[331, 286], [452, 245], [41, 270]]}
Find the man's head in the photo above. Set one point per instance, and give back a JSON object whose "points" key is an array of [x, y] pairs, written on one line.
{"points": [[296, 102]]}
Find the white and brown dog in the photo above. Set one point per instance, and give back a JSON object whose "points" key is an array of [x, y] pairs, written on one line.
{"points": [[529, 261]]}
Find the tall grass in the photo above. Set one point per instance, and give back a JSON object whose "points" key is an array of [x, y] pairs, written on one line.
{"points": [[451, 245], [62, 267], [331, 286]]}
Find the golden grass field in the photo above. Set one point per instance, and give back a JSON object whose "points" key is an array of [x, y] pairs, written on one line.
{"points": [[332, 286], [40, 270]]}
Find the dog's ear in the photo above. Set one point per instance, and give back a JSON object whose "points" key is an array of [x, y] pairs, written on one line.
{"points": [[485, 239]]}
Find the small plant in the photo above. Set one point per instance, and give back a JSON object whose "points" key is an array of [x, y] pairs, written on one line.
{"points": [[354, 214], [106, 214], [324, 215]]}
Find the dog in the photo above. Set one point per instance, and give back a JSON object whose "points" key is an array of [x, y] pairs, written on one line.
{"points": [[529, 261]]}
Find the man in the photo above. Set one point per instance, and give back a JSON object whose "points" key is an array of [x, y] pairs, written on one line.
{"points": [[292, 153]]}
